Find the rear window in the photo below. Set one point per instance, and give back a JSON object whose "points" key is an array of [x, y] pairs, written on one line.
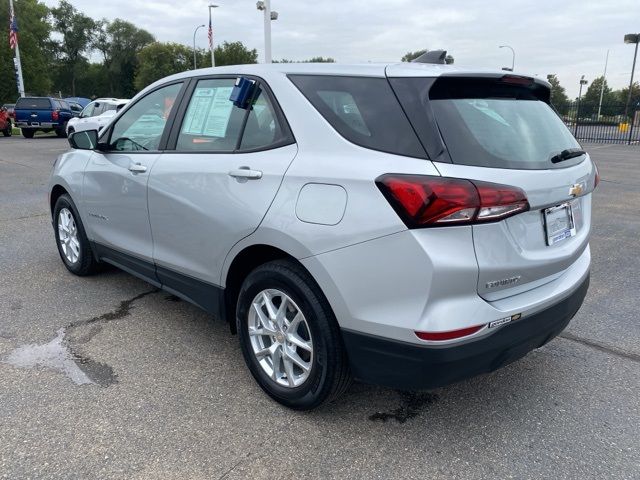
{"points": [[33, 104], [488, 123], [363, 110]]}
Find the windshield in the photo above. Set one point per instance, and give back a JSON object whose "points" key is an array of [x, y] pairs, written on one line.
{"points": [[502, 132]]}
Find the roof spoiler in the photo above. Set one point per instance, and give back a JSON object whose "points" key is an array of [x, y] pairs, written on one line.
{"points": [[434, 56]]}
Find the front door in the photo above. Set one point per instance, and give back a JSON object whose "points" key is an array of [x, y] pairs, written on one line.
{"points": [[116, 177]]}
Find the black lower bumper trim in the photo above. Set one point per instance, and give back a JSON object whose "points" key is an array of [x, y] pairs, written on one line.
{"points": [[409, 366]]}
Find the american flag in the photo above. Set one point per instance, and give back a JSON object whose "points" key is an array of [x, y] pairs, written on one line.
{"points": [[210, 33], [13, 31]]}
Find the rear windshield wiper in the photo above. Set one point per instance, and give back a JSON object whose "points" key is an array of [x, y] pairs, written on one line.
{"points": [[567, 154]]}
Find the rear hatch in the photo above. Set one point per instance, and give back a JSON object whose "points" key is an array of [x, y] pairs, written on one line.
{"points": [[501, 129]]}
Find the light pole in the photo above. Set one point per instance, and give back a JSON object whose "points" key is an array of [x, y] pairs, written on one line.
{"points": [[265, 6], [513, 55], [604, 79], [213, 60], [195, 65], [583, 82], [631, 38]]}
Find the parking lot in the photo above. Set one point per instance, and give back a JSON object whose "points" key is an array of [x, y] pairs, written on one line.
{"points": [[140, 385]]}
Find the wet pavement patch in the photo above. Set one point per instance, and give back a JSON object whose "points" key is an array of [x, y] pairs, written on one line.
{"points": [[54, 355], [413, 404], [59, 354]]}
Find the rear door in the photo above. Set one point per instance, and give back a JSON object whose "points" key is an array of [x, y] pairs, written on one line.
{"points": [[215, 187], [502, 130]]}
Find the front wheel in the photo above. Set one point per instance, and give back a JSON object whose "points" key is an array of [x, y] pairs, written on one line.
{"points": [[71, 239], [289, 336], [62, 131]]}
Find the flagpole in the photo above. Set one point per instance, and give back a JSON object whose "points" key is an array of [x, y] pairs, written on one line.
{"points": [[16, 60], [211, 45]]}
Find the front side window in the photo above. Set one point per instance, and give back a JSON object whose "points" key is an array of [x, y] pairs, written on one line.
{"points": [[212, 122], [99, 109], [141, 127], [88, 110]]}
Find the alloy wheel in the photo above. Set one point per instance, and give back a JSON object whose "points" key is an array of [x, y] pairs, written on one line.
{"points": [[280, 338], [68, 236]]}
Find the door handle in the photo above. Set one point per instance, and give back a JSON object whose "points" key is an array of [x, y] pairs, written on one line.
{"points": [[246, 173], [137, 168]]}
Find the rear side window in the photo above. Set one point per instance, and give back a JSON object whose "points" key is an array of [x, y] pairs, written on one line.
{"points": [[489, 122], [364, 110], [33, 104]]}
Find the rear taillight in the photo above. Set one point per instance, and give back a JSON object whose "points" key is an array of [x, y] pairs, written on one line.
{"points": [[55, 115], [424, 201]]}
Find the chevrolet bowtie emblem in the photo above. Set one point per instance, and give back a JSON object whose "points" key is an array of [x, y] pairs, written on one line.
{"points": [[575, 190]]}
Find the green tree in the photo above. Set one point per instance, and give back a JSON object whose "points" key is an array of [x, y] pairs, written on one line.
{"points": [[622, 96], [78, 34], [234, 53], [35, 50], [591, 100], [311, 60], [559, 97], [413, 55], [119, 43], [159, 60], [409, 56]]}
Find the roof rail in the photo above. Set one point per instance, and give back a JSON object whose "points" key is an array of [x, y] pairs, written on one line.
{"points": [[434, 56]]}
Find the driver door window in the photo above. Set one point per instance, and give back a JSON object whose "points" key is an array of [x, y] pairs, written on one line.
{"points": [[141, 127], [88, 110]]}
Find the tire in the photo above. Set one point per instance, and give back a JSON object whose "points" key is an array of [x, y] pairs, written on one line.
{"points": [[28, 132], [62, 131], [84, 262], [328, 374], [8, 131]]}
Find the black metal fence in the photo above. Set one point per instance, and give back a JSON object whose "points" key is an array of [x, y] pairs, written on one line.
{"points": [[604, 123]]}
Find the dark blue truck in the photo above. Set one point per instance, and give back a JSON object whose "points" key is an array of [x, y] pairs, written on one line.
{"points": [[42, 113]]}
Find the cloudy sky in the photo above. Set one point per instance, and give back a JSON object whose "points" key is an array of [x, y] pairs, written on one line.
{"points": [[567, 37]]}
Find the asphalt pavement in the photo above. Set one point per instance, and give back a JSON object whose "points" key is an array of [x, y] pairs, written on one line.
{"points": [[105, 377]]}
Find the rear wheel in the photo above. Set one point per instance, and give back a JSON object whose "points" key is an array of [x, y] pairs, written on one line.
{"points": [[8, 131], [289, 336], [28, 132], [71, 239]]}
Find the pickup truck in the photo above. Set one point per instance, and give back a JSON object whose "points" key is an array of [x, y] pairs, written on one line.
{"points": [[42, 113]]}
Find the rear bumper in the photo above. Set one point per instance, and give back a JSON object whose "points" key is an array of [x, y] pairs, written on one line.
{"points": [[47, 125], [409, 366]]}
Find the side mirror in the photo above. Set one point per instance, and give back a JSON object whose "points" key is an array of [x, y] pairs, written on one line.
{"points": [[84, 140]]}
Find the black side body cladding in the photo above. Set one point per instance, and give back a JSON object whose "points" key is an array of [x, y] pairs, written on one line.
{"points": [[207, 296]]}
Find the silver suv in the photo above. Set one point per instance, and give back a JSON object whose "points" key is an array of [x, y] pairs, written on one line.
{"points": [[407, 225]]}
